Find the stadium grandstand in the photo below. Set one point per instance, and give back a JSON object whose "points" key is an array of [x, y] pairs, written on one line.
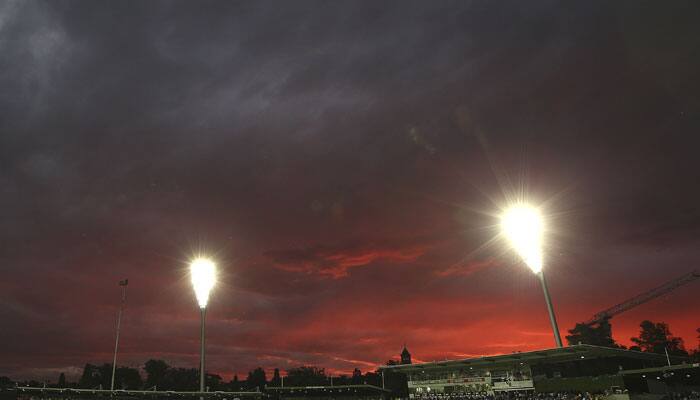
{"points": [[577, 368], [339, 392], [681, 378]]}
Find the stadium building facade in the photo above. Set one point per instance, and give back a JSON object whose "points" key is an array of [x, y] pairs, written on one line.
{"points": [[573, 368]]}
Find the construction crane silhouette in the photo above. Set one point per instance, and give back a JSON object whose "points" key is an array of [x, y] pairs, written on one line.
{"points": [[643, 298]]}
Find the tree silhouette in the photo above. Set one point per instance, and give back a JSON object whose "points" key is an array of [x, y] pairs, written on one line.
{"points": [[62, 380], [183, 379], [276, 379], [356, 376], [372, 378], [6, 383], [256, 379], [657, 338], [600, 335], [155, 372], [101, 376], [235, 384], [90, 377], [341, 380], [213, 382], [126, 378], [306, 376]]}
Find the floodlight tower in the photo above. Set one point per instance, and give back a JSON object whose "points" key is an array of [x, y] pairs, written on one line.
{"points": [[203, 275], [123, 285], [523, 227]]}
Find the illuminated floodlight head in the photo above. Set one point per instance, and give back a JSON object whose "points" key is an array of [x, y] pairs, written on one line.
{"points": [[203, 274], [523, 227]]}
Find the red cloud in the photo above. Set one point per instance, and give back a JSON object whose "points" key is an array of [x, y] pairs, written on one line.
{"points": [[335, 262], [466, 269]]}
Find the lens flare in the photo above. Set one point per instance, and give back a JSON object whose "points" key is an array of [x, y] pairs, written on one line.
{"points": [[523, 227], [203, 274]]}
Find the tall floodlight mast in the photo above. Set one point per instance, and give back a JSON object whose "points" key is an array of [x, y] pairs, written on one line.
{"points": [[123, 285], [523, 227], [203, 275]]}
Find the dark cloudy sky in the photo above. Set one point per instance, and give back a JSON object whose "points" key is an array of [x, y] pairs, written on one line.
{"points": [[343, 161]]}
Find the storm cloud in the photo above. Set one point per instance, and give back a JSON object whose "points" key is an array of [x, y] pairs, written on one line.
{"points": [[343, 162]]}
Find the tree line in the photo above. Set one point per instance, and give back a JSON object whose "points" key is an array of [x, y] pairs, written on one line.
{"points": [[159, 375], [654, 337]]}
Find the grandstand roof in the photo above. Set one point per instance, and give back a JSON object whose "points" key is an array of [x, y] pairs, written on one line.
{"points": [[569, 353], [665, 368]]}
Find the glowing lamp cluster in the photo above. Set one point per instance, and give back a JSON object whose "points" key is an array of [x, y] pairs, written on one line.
{"points": [[523, 227], [203, 274]]}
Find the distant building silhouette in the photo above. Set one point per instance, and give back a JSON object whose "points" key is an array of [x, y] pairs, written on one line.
{"points": [[405, 356]]}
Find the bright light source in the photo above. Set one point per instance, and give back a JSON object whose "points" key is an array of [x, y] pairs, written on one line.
{"points": [[203, 274], [522, 225]]}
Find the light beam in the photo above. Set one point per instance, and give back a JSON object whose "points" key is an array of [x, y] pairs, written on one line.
{"points": [[522, 225]]}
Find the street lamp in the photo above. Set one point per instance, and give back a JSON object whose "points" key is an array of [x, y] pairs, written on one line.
{"points": [[523, 227], [203, 275]]}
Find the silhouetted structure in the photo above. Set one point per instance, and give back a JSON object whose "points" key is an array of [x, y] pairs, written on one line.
{"points": [[599, 334], [662, 380], [583, 368], [405, 356]]}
